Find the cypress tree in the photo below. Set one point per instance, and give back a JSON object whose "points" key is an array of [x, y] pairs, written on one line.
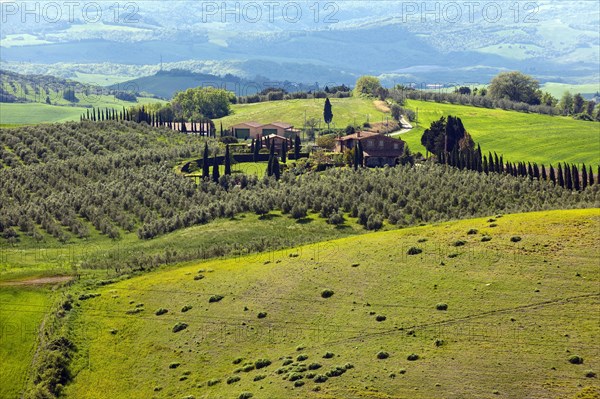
{"points": [[284, 152], [536, 171], [568, 177], [591, 177], [87, 114], [221, 129], [276, 168], [297, 144], [360, 154], [272, 149], [509, 169], [561, 179], [205, 167], [485, 165], [256, 152], [598, 173], [584, 177], [544, 176], [215, 171], [529, 170], [490, 160], [227, 161], [501, 169], [575, 177], [252, 146], [552, 175], [496, 163], [270, 167]]}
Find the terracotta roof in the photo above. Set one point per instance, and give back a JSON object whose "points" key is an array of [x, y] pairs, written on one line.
{"points": [[275, 136], [282, 125], [355, 136], [383, 153], [253, 124]]}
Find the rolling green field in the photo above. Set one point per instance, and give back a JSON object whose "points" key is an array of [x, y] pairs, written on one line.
{"points": [[516, 311], [21, 312], [32, 113], [22, 308], [346, 111], [518, 136]]}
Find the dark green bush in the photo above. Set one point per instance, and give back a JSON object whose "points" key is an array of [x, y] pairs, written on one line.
{"points": [[161, 311], [574, 359], [298, 383], [590, 374], [382, 355], [459, 243], [327, 293], [441, 306], [245, 395], [174, 365], [262, 315], [186, 308], [262, 363], [486, 238], [328, 355], [302, 357], [238, 360], [412, 357], [515, 239], [259, 377], [472, 231], [295, 376], [314, 366], [213, 382], [380, 318], [414, 251], [320, 378], [233, 379], [179, 327], [215, 298]]}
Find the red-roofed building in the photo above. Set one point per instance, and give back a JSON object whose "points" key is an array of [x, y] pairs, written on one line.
{"points": [[378, 150]]}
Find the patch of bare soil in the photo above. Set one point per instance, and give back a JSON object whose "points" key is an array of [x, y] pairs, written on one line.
{"points": [[37, 281]]}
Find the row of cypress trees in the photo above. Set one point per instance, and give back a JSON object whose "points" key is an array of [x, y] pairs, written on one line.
{"points": [[206, 125], [569, 176]]}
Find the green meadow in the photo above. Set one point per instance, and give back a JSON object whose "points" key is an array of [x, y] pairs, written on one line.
{"points": [[346, 111], [516, 135], [358, 317]]}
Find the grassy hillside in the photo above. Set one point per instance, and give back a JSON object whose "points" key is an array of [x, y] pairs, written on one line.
{"points": [[346, 111], [518, 136], [23, 309], [516, 311]]}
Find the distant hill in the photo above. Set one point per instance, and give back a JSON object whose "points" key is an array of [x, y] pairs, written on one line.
{"points": [[166, 83]]}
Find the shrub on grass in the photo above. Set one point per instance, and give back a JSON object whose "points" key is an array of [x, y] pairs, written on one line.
{"points": [[237, 360], [441, 306], [472, 231], [412, 357], [402, 371], [335, 372], [161, 311], [515, 239], [459, 243], [199, 277], [245, 395], [328, 355], [299, 211], [259, 377], [314, 366], [215, 298], [439, 342], [327, 293], [576, 359], [380, 318], [174, 365], [262, 315], [311, 375], [348, 366], [414, 251], [179, 327], [320, 378], [233, 379], [247, 367], [299, 383], [287, 361], [382, 355], [262, 363], [186, 308], [493, 225], [134, 311], [302, 357], [213, 382], [486, 238], [590, 374], [421, 240], [295, 376]]}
